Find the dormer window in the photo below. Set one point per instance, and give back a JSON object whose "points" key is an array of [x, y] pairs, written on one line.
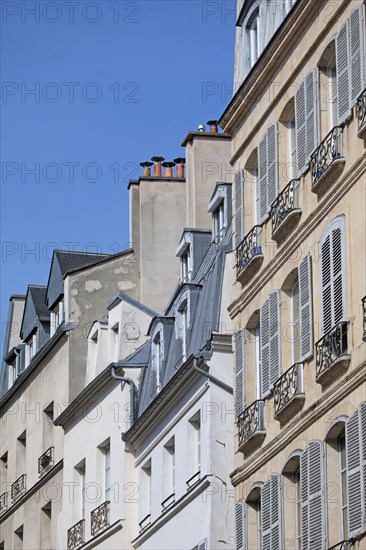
{"points": [[219, 206], [185, 265], [218, 223], [57, 316], [30, 349], [157, 355]]}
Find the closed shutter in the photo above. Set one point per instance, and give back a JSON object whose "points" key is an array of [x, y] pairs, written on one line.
{"points": [[271, 514], [357, 52], [354, 474], [363, 459], [342, 61], [300, 127], [311, 110], [312, 497], [264, 344], [262, 175], [304, 488], [238, 207], [332, 277], [274, 334], [306, 318], [239, 372], [240, 526], [272, 159]]}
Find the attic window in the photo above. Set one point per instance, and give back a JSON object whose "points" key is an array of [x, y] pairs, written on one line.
{"points": [[218, 207], [218, 221], [185, 265], [57, 316], [30, 348]]}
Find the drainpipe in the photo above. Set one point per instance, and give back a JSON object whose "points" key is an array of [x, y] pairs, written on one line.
{"points": [[132, 390], [215, 380]]}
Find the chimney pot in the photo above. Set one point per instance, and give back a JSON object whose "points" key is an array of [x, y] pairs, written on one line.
{"points": [[201, 128], [168, 169], [213, 126], [146, 166], [180, 162], [157, 166]]}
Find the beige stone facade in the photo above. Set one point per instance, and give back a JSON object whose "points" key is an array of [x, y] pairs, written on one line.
{"points": [[300, 353]]}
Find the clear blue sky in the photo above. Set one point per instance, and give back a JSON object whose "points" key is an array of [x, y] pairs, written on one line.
{"points": [[115, 82]]}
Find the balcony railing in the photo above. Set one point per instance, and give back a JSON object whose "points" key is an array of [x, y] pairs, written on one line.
{"points": [[285, 206], [361, 113], [18, 488], [249, 249], [192, 481], [251, 421], [100, 518], [3, 503], [76, 535], [46, 461], [168, 502], [364, 317], [344, 545], [288, 389], [330, 348], [145, 522], [328, 155]]}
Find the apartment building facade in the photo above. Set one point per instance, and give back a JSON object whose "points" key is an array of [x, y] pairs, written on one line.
{"points": [[298, 146]]}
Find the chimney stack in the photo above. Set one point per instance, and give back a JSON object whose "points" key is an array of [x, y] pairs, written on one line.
{"points": [[147, 170], [157, 165], [213, 126], [180, 162], [168, 169]]}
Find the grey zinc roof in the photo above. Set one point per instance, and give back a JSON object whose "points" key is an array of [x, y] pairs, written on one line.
{"points": [[38, 294], [205, 301], [70, 260]]}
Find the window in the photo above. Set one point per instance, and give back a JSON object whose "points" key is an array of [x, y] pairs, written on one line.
{"points": [[269, 527], [269, 342], [157, 353], [258, 517], [169, 472], [332, 276], [12, 373], [258, 362], [238, 183], [239, 372], [194, 449], [145, 503], [328, 86], [218, 222], [268, 170], [57, 317], [297, 495], [30, 349], [107, 472], [182, 323], [291, 142], [306, 116], [185, 265], [82, 491], [251, 177], [312, 494], [295, 302], [291, 501], [115, 342], [79, 476], [21, 450]]}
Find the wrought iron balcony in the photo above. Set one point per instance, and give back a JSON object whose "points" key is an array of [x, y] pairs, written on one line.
{"points": [[3, 503], [251, 424], [327, 161], [46, 461], [145, 522], [331, 353], [288, 392], [361, 114], [344, 545], [192, 481], [100, 518], [76, 535], [249, 253], [168, 502], [18, 488], [285, 211], [364, 317]]}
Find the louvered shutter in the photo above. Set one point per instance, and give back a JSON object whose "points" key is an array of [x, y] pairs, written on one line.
{"points": [[357, 52], [274, 335], [300, 127], [326, 284], [238, 207], [363, 459], [240, 525], [265, 344], [239, 372], [354, 473], [262, 175], [342, 62], [304, 488], [271, 514], [337, 264], [311, 110], [306, 318], [272, 159], [316, 496], [266, 514]]}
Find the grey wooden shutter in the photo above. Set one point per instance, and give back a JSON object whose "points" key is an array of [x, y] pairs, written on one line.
{"points": [[326, 285], [304, 488], [271, 514], [312, 497], [357, 52], [342, 62], [272, 159], [240, 526], [239, 372], [306, 317], [238, 207], [337, 272], [311, 110], [300, 127], [264, 344], [274, 335], [363, 459], [262, 175], [354, 474]]}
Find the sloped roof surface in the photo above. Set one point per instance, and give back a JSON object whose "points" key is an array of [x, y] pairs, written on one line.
{"points": [[38, 294], [71, 260]]}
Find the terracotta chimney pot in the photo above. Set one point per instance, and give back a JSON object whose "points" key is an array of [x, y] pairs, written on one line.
{"points": [[157, 166], [180, 161], [213, 126], [168, 169], [147, 170]]}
